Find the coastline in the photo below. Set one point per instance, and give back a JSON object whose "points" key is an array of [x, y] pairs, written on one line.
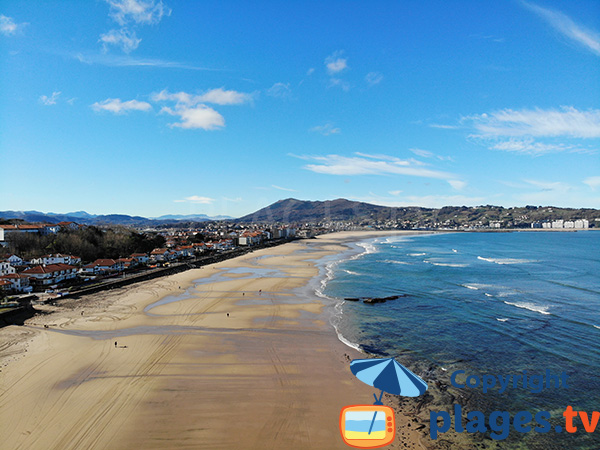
{"points": [[185, 374]]}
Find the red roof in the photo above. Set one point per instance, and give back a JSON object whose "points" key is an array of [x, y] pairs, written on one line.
{"points": [[13, 275], [49, 268], [104, 262]]}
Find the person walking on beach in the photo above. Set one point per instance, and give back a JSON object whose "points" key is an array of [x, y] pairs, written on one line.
{"points": [[115, 344]]}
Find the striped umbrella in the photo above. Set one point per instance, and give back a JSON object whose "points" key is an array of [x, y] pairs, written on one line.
{"points": [[389, 376]]}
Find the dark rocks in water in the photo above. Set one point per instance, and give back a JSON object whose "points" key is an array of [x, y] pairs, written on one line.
{"points": [[373, 350], [383, 299], [352, 299]]}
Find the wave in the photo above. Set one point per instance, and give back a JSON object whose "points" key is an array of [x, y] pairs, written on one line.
{"points": [[391, 261], [531, 307], [507, 260], [488, 295], [417, 254], [596, 326], [470, 286], [335, 322], [454, 250], [501, 320], [444, 264], [369, 247], [349, 272]]}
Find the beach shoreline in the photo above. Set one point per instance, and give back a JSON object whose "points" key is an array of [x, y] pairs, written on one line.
{"points": [[233, 355]]}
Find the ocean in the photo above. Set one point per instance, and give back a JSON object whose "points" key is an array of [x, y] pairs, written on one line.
{"points": [[484, 303]]}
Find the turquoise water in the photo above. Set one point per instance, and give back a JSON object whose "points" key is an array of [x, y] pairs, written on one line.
{"points": [[485, 303]]}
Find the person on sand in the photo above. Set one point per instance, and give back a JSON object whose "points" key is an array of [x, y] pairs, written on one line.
{"points": [[115, 344], [227, 314]]}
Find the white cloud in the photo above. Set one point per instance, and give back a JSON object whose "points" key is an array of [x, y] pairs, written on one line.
{"points": [[217, 96], [395, 193], [199, 116], [126, 39], [567, 122], [326, 129], [337, 82], [567, 27], [459, 185], [129, 61], [283, 189], [50, 100], [550, 186], [363, 164], [427, 154], [427, 201], [8, 27], [373, 78], [593, 182], [443, 127], [335, 63], [116, 106], [310, 71], [532, 147], [280, 90], [137, 11], [196, 199]]}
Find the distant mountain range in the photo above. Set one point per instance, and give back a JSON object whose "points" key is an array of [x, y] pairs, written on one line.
{"points": [[292, 210], [114, 219]]}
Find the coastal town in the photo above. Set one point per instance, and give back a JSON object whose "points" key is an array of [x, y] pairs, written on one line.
{"points": [[58, 274]]}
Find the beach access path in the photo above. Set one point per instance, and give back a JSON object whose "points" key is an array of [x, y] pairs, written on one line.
{"points": [[235, 355]]}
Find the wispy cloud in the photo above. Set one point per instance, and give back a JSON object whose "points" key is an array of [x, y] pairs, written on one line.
{"points": [[137, 11], [335, 63], [217, 96], [50, 100], [562, 23], [280, 90], [593, 182], [130, 14], [363, 164], [116, 106], [443, 127], [373, 78], [427, 201], [196, 199], [326, 130], [129, 61], [8, 27], [283, 189], [200, 116], [427, 154], [123, 38], [568, 122]]}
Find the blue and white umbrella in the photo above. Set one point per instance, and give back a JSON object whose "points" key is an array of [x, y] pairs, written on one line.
{"points": [[389, 376]]}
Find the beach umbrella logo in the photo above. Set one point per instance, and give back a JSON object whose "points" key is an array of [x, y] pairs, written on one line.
{"points": [[371, 426]]}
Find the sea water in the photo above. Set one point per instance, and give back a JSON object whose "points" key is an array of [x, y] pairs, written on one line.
{"points": [[496, 303]]}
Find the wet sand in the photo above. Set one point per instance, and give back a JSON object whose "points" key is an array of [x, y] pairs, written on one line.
{"points": [[239, 354]]}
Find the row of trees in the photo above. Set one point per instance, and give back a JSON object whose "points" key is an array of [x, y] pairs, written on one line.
{"points": [[89, 243]]}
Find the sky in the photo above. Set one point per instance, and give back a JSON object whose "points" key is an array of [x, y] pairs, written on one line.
{"points": [[149, 107]]}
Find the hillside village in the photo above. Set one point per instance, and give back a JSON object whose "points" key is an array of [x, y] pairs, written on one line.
{"points": [[58, 272]]}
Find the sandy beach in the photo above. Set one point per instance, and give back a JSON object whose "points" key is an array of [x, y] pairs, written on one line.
{"points": [[238, 354]]}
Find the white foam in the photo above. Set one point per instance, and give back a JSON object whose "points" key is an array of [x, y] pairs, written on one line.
{"points": [[335, 321], [531, 307], [454, 250], [417, 254], [391, 261], [469, 286], [444, 264], [488, 295], [349, 272], [501, 320], [506, 260], [596, 326]]}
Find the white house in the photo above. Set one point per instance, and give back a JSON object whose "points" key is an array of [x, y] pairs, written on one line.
{"points": [[14, 260], [19, 282], [160, 254], [46, 275], [6, 268], [104, 266]]}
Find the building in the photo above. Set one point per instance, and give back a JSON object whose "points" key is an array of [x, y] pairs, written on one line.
{"points": [[6, 268], [19, 282], [57, 259], [46, 275], [14, 260], [141, 258], [104, 267]]}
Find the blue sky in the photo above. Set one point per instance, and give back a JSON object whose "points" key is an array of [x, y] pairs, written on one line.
{"points": [[145, 107]]}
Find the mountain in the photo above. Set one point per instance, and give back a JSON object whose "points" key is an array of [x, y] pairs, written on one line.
{"points": [[293, 210], [110, 219], [299, 211]]}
